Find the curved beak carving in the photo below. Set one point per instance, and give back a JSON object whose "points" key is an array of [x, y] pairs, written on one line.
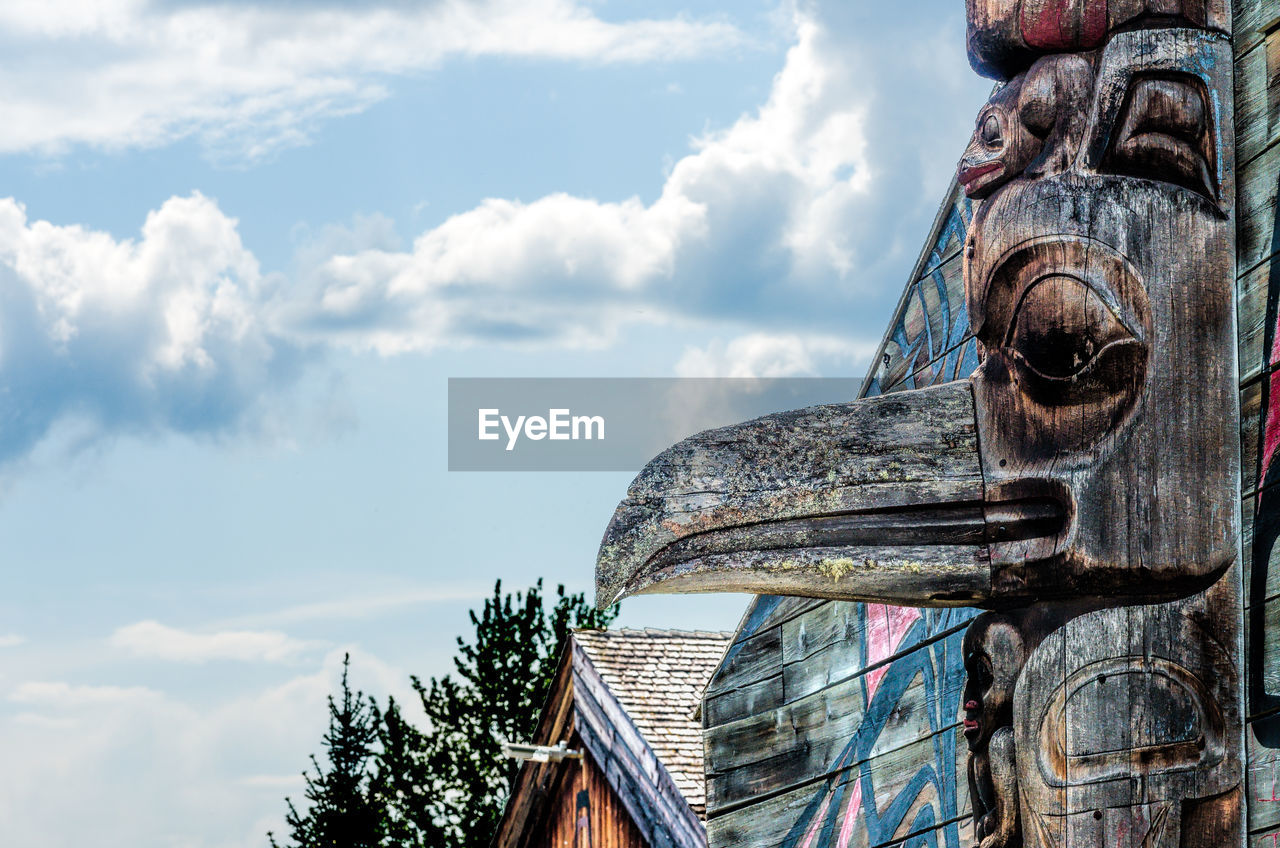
{"points": [[1093, 454], [876, 499]]}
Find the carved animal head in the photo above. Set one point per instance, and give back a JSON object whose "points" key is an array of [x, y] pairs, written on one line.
{"points": [[1091, 454], [1032, 125], [1103, 299]]}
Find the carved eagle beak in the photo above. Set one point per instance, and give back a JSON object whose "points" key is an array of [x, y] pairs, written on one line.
{"points": [[878, 499]]}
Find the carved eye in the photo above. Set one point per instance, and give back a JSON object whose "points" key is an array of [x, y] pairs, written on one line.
{"points": [[1164, 134], [1070, 345], [990, 133], [1061, 326]]}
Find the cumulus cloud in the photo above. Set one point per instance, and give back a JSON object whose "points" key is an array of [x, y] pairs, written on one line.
{"points": [[153, 640], [166, 332], [210, 771], [792, 229], [803, 216], [250, 78], [768, 356]]}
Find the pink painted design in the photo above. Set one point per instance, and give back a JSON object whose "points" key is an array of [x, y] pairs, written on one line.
{"points": [[850, 815], [817, 823], [886, 625], [1275, 347]]}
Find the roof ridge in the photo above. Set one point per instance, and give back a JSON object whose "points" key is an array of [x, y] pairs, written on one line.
{"points": [[659, 632]]}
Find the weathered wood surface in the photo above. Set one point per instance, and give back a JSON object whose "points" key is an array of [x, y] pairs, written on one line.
{"points": [[1258, 114], [1106, 310], [890, 678], [1251, 19], [655, 804], [875, 803], [587, 813], [840, 501], [808, 736]]}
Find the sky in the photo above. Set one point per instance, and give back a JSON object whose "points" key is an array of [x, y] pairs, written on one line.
{"points": [[243, 246]]}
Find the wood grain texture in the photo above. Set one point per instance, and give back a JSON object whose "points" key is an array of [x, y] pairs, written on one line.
{"points": [[808, 737], [875, 499], [932, 323], [586, 813]]}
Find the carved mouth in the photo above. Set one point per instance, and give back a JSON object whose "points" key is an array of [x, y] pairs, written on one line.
{"points": [[976, 177], [882, 499], [939, 550]]}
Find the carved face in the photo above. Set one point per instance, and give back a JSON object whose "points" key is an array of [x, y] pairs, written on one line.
{"points": [[1030, 126], [1092, 454], [1102, 296], [993, 656]]}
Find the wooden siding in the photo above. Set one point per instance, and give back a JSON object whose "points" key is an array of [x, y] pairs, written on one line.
{"points": [[585, 813], [1258, 157], [629, 763], [625, 782]]}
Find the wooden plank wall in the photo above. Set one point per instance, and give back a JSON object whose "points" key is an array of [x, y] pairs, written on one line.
{"points": [[835, 725], [586, 813], [1257, 49]]}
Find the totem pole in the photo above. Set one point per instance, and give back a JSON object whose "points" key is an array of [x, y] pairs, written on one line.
{"points": [[1081, 484]]}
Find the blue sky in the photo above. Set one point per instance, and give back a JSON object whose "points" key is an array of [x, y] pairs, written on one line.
{"points": [[242, 248]]}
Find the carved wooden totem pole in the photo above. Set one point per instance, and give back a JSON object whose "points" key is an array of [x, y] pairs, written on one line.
{"points": [[1080, 484]]}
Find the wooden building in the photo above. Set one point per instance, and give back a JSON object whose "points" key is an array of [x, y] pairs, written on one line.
{"points": [[628, 701]]}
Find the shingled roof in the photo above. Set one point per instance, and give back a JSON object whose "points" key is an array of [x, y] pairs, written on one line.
{"points": [[658, 676]]}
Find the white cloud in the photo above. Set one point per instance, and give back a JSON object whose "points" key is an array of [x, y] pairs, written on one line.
{"points": [[12, 640], [140, 767], [251, 78], [792, 228], [66, 696], [769, 356], [166, 332], [364, 606], [153, 640], [798, 217]]}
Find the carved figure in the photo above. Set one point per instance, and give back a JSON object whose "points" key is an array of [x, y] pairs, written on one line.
{"points": [[1082, 481], [1033, 124], [994, 652]]}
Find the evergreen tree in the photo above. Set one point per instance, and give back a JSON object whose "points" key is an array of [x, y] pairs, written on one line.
{"points": [[342, 810], [446, 785]]}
